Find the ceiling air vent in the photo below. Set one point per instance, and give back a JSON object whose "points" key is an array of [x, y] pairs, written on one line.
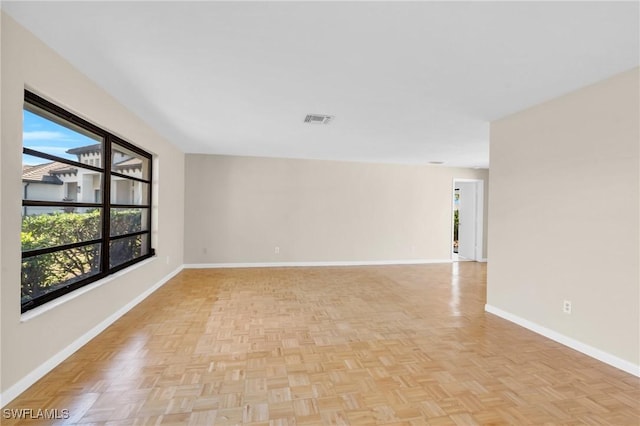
{"points": [[318, 118]]}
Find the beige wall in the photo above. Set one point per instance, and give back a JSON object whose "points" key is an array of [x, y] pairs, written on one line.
{"points": [[238, 209], [1, 193], [564, 216], [26, 345]]}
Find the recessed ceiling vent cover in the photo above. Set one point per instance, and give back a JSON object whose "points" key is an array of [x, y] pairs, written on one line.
{"points": [[318, 118]]}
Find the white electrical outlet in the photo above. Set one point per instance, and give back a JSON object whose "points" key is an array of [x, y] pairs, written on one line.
{"points": [[566, 307], [276, 250]]}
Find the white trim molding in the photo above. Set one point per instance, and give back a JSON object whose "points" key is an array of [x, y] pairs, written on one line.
{"points": [[596, 353], [23, 384], [311, 264]]}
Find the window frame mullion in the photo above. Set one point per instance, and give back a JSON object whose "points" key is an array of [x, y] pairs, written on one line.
{"points": [[106, 202]]}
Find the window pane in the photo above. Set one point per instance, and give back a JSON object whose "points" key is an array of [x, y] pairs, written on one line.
{"points": [[54, 226], [127, 191], [53, 181], [126, 249], [44, 132], [129, 163], [128, 221], [45, 273]]}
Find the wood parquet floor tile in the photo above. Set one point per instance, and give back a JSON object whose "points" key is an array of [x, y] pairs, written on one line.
{"points": [[389, 345]]}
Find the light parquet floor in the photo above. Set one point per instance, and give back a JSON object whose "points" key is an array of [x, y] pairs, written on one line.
{"points": [[392, 345]]}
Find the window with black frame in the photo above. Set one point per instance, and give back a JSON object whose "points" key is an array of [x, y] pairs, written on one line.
{"points": [[86, 203]]}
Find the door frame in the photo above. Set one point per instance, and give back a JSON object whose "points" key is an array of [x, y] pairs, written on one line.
{"points": [[479, 219]]}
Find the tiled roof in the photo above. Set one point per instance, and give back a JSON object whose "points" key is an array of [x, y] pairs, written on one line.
{"points": [[131, 163], [64, 171], [97, 147], [45, 173]]}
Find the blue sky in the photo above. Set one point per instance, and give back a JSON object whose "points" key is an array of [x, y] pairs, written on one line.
{"points": [[46, 136]]}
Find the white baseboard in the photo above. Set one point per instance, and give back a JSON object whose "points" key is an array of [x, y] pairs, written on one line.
{"points": [[298, 264], [596, 353], [35, 375], [483, 260]]}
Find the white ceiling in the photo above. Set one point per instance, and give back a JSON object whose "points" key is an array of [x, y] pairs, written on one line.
{"points": [[407, 82]]}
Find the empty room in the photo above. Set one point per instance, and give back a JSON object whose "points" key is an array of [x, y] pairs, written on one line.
{"points": [[319, 213]]}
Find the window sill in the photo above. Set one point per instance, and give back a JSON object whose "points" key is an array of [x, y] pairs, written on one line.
{"points": [[36, 312]]}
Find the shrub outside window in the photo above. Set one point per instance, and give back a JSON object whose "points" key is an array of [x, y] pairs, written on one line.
{"points": [[83, 217]]}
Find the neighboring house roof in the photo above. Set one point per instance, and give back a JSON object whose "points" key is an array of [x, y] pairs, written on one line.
{"points": [[46, 173], [49, 172], [65, 171], [86, 149], [131, 163]]}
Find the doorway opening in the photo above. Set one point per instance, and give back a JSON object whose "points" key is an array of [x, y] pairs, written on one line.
{"points": [[467, 220], [456, 220]]}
